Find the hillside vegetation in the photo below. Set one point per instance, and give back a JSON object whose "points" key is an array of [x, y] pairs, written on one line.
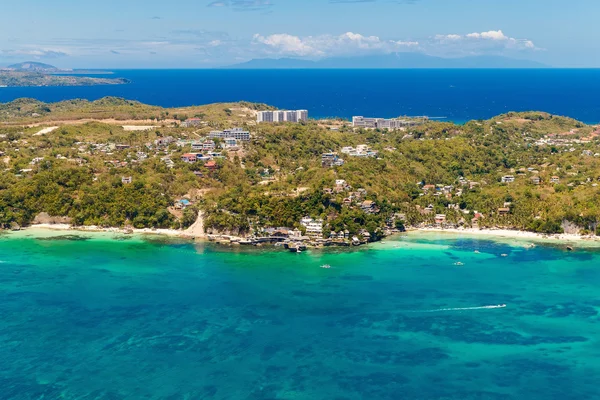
{"points": [[412, 176], [31, 111]]}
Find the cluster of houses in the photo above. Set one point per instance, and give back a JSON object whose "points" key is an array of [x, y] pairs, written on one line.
{"points": [[535, 180], [195, 157], [313, 233], [447, 191], [209, 162], [353, 199], [296, 240], [440, 220], [362, 150], [551, 140], [201, 150], [329, 160], [556, 141]]}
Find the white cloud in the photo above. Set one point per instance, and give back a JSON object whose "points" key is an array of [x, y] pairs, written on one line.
{"points": [[350, 43], [287, 44], [493, 35], [328, 45], [479, 42]]}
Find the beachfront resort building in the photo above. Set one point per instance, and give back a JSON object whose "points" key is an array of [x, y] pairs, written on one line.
{"points": [[235, 133], [314, 227], [383, 123], [282, 116]]}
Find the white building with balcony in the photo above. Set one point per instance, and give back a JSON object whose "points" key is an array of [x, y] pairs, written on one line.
{"points": [[314, 227]]}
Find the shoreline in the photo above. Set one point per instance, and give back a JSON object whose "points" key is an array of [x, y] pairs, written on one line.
{"points": [[122, 231], [491, 233], [512, 234]]}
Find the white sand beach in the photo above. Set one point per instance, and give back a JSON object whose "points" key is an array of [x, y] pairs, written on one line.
{"points": [[514, 234], [166, 232]]}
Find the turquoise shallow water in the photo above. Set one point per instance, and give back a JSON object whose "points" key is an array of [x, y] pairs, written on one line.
{"points": [[149, 319]]}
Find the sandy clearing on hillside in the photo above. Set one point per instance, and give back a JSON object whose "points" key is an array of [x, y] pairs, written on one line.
{"points": [[197, 229], [46, 130], [138, 127]]}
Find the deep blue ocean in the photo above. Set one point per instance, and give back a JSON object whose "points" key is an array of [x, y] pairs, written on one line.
{"points": [[458, 95]]}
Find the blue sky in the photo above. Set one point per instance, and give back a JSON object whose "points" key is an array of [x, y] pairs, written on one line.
{"points": [[208, 33]]}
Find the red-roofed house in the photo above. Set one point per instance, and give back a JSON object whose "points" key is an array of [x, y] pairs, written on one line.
{"points": [[211, 165], [189, 158]]}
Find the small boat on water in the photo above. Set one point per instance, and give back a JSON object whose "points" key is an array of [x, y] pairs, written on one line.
{"points": [[326, 266], [504, 255], [459, 263], [570, 248]]}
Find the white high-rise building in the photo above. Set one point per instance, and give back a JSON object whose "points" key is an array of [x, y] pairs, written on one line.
{"points": [[302, 115], [293, 116], [264, 116]]}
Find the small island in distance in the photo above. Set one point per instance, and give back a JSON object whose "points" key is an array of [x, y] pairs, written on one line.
{"points": [[40, 74]]}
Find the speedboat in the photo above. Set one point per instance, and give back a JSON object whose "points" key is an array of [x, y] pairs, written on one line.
{"points": [[326, 266]]}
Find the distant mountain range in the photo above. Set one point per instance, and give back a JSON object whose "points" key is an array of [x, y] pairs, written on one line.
{"points": [[398, 60]]}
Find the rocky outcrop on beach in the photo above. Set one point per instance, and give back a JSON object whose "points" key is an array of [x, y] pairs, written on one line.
{"points": [[45, 218]]}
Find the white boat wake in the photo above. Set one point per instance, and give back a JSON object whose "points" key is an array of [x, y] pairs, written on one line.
{"points": [[464, 308]]}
